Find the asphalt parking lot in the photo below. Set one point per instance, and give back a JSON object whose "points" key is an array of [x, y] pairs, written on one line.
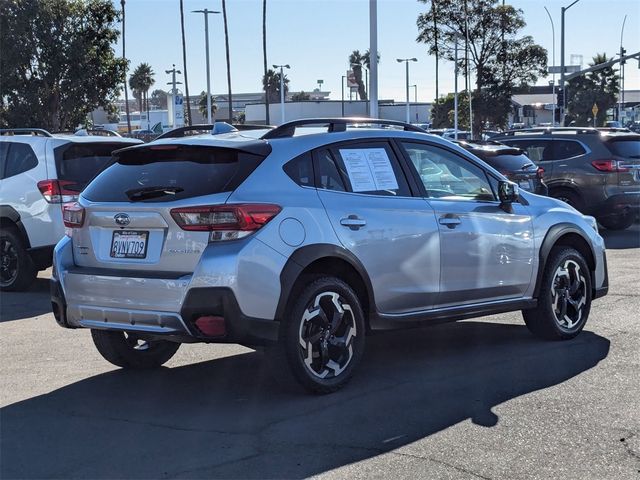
{"points": [[475, 399]]}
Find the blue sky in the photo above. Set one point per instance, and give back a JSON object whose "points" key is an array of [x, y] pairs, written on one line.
{"points": [[316, 36]]}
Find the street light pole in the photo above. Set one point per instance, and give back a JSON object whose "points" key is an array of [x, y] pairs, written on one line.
{"points": [[342, 88], [406, 62], [174, 91], [415, 99], [281, 90], [622, 62], [553, 82], [373, 57], [564, 96], [455, 89], [206, 13]]}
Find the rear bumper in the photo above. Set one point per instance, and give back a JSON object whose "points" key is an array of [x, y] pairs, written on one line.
{"points": [[620, 204], [146, 303]]}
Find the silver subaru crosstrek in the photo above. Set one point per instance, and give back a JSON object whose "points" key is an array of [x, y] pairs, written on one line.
{"points": [[306, 238]]}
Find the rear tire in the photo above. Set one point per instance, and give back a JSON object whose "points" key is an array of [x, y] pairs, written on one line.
{"points": [[568, 196], [617, 222], [564, 300], [17, 271], [321, 338], [126, 350]]}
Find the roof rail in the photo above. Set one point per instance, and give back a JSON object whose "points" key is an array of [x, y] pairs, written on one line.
{"points": [[517, 131], [100, 132], [37, 132], [336, 125]]}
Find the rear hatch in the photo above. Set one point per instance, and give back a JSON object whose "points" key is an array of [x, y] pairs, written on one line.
{"points": [[127, 221], [626, 152], [513, 164]]}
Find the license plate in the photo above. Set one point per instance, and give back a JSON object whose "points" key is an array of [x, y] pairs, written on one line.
{"points": [[129, 244], [526, 184]]}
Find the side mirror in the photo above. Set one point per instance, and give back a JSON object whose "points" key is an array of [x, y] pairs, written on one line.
{"points": [[508, 192]]}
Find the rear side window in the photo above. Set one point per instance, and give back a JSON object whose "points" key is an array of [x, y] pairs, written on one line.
{"points": [[20, 158], [162, 175], [536, 149], [78, 163], [372, 169], [300, 170], [625, 147], [567, 149]]}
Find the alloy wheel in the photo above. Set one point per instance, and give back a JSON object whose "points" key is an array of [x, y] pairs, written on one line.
{"points": [[326, 335], [8, 262], [568, 295]]}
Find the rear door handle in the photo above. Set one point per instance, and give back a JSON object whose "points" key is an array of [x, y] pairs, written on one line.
{"points": [[353, 222], [449, 221]]}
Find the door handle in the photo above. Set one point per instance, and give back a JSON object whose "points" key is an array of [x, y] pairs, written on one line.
{"points": [[450, 221], [353, 222]]}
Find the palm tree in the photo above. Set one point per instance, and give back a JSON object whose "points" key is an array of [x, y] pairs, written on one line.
{"points": [[184, 63], [140, 82], [356, 60], [124, 57], [202, 105], [271, 86], [264, 55], [226, 43]]}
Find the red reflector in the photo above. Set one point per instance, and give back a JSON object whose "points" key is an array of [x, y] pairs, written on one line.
{"points": [[211, 326], [540, 172]]}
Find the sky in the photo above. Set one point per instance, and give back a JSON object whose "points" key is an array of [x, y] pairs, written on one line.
{"points": [[315, 37]]}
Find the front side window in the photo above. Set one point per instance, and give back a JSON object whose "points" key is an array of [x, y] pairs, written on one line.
{"points": [[448, 176], [20, 158]]}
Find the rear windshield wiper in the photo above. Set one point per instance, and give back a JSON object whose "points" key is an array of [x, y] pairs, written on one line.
{"points": [[136, 194]]}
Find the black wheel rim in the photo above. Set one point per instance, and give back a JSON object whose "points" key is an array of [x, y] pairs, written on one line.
{"points": [[568, 295], [326, 335], [8, 262]]}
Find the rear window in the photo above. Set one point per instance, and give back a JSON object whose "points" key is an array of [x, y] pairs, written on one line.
{"points": [[163, 175], [625, 147], [78, 163], [508, 161]]}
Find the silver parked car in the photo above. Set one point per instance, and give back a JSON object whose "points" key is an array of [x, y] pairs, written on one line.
{"points": [[306, 239]]}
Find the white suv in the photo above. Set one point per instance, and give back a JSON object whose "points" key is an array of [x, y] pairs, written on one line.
{"points": [[38, 173]]}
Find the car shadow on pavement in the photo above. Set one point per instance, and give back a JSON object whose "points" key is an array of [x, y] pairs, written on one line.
{"points": [[31, 303], [225, 418], [622, 239]]}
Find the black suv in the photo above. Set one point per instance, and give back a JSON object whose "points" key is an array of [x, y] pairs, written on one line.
{"points": [[596, 172], [510, 161]]}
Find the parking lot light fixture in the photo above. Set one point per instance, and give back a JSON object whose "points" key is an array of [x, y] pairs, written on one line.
{"points": [[406, 62], [562, 12], [281, 67], [206, 13]]}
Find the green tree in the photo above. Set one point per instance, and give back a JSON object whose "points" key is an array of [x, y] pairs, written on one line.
{"points": [[271, 86], [140, 81], [301, 97], [442, 112], [501, 60], [159, 99], [202, 105], [600, 88], [57, 62]]}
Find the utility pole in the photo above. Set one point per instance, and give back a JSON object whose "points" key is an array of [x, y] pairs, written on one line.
{"points": [[126, 93], [564, 96], [174, 91], [553, 81], [373, 57], [406, 62], [622, 62], [281, 90], [455, 89], [206, 14], [342, 88]]}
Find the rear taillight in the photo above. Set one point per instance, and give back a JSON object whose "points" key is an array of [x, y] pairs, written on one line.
{"points": [[72, 215], [540, 173], [225, 222], [609, 165], [54, 191]]}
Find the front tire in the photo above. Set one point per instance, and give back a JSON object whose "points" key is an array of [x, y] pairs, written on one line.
{"points": [[321, 339], [127, 350], [564, 300]]}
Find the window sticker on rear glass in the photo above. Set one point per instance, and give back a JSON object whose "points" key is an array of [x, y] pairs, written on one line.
{"points": [[369, 169]]}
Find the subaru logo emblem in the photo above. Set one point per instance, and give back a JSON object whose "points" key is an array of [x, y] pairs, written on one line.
{"points": [[122, 219]]}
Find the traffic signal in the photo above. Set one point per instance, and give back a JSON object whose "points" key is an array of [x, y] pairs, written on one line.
{"points": [[623, 52], [560, 97]]}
